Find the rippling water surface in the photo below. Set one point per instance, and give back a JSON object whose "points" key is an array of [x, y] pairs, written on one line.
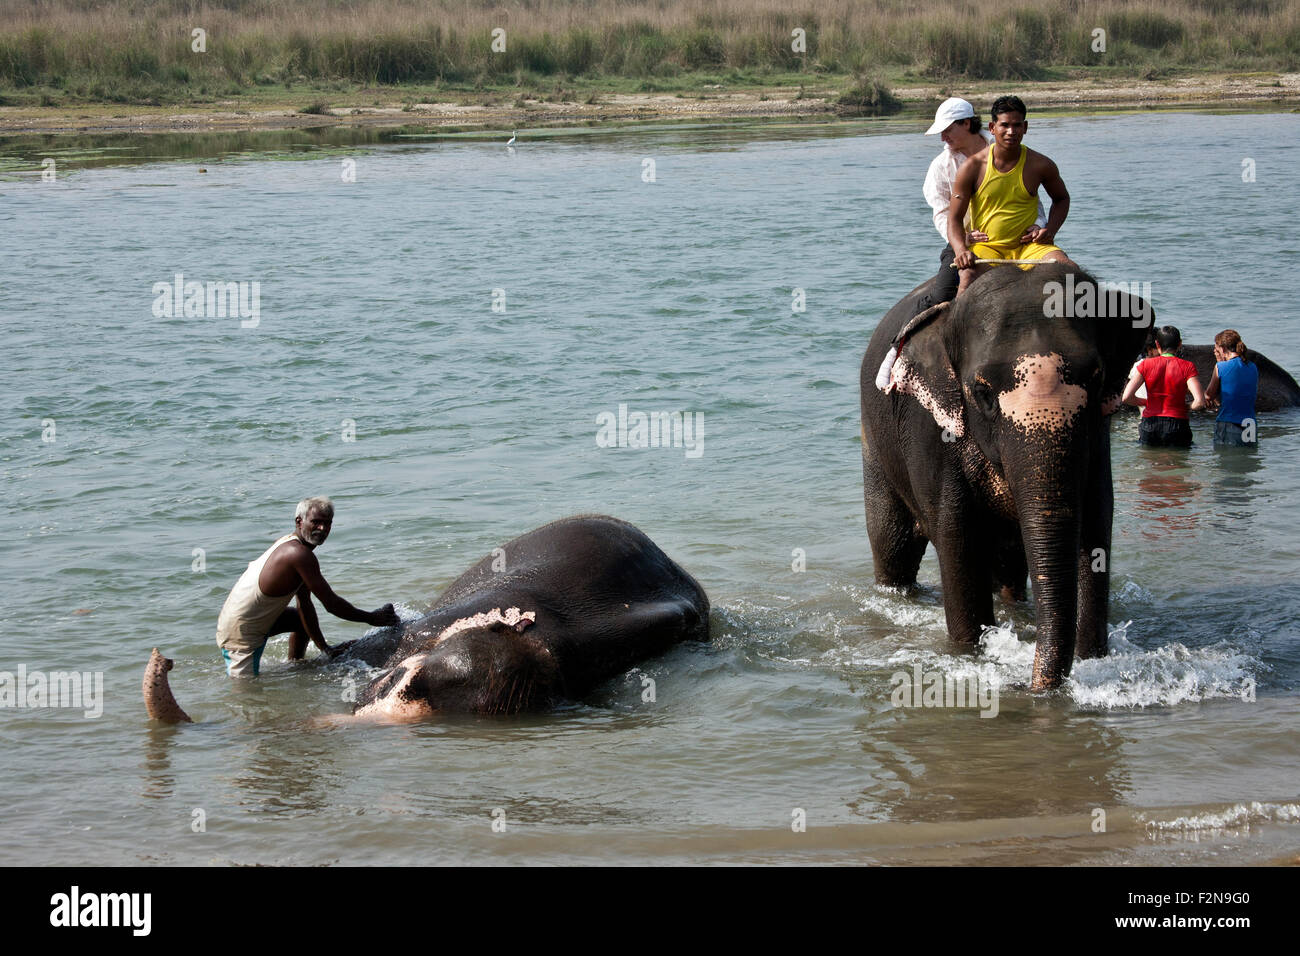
{"points": [[473, 425]]}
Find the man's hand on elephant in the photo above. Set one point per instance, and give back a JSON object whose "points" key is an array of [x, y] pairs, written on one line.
{"points": [[384, 617]]}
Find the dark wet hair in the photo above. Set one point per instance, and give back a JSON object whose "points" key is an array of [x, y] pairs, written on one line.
{"points": [[1169, 338], [973, 124], [1008, 104], [1230, 341]]}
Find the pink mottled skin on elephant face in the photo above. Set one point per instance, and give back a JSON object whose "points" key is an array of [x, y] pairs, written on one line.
{"points": [[397, 702], [908, 380], [1041, 398]]}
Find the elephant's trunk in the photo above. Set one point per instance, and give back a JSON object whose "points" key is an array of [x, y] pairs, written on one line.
{"points": [[1047, 440], [1052, 548], [1049, 501]]}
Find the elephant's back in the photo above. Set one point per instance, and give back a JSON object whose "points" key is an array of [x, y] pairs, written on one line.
{"points": [[1277, 388], [604, 595], [583, 551], [903, 310], [586, 571]]}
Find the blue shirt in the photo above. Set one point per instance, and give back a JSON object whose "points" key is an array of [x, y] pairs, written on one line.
{"points": [[1238, 384]]}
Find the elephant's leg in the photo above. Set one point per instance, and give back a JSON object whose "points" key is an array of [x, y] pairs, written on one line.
{"points": [[897, 546], [965, 571], [1094, 559]]}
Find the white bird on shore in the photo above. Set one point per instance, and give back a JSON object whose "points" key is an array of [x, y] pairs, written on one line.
{"points": [[511, 141]]}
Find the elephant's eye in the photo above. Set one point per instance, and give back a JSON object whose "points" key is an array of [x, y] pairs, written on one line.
{"points": [[984, 397]]}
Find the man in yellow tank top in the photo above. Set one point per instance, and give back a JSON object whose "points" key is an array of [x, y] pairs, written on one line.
{"points": [[1000, 186]]}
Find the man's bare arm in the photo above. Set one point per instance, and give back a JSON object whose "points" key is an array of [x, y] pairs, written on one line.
{"points": [[1054, 186], [1212, 390], [310, 622], [963, 187], [309, 570], [1130, 396]]}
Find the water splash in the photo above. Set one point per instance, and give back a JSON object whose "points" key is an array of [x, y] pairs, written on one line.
{"points": [[1130, 676], [1237, 817]]}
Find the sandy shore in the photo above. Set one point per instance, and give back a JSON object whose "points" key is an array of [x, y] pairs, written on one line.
{"points": [[470, 110]]}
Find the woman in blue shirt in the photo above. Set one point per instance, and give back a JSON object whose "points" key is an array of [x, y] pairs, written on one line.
{"points": [[1238, 379]]}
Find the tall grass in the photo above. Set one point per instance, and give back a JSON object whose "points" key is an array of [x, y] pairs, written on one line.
{"points": [[125, 49]]}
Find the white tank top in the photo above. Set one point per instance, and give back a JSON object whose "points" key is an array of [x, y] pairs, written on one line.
{"points": [[248, 613]]}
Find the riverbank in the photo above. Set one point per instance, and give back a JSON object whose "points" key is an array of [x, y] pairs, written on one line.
{"points": [[403, 106]]}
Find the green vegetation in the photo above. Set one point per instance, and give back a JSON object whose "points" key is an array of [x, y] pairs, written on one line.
{"points": [[57, 52], [868, 97]]}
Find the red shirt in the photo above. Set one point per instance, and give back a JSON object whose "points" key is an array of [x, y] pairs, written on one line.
{"points": [[1166, 379]]}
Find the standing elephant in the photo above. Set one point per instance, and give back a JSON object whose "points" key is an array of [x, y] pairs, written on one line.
{"points": [[988, 436]]}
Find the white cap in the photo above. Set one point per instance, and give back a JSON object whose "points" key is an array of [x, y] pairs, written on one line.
{"points": [[951, 110]]}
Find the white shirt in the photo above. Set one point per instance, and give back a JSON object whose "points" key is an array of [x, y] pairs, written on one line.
{"points": [[938, 186]]}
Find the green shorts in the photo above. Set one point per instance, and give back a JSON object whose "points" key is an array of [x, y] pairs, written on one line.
{"points": [[244, 661]]}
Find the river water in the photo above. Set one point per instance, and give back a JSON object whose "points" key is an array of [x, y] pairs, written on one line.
{"points": [[433, 345]]}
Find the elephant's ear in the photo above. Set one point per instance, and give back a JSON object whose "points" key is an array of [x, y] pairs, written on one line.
{"points": [[918, 365], [1121, 332]]}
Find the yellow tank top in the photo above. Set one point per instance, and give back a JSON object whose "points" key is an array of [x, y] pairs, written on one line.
{"points": [[1002, 208]]}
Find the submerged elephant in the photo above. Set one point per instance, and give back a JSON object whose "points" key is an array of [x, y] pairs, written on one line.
{"points": [[1277, 389], [546, 617], [987, 435]]}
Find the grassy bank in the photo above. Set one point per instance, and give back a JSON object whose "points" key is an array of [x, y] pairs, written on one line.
{"points": [[60, 52]]}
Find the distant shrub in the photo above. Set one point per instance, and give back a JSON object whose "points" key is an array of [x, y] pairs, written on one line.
{"points": [[868, 97], [986, 51], [703, 48], [1145, 28], [1221, 7], [581, 52]]}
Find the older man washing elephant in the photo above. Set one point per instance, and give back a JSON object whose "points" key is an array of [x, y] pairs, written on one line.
{"points": [[258, 606]]}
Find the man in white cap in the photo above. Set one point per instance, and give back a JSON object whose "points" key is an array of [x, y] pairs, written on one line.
{"points": [[963, 136]]}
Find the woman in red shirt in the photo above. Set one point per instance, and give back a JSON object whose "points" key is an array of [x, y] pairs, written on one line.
{"points": [[1168, 379]]}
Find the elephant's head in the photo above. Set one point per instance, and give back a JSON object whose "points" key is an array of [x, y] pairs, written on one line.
{"points": [[487, 664], [1021, 392]]}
